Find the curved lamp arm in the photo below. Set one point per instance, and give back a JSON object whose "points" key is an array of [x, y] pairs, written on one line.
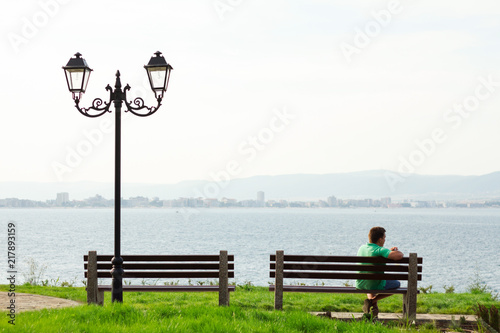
{"points": [[139, 105], [96, 105]]}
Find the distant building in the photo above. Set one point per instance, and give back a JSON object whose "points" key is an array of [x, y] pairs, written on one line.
{"points": [[100, 201], [332, 201], [138, 201], [209, 202], [364, 203], [249, 203], [386, 202], [261, 200], [227, 202], [62, 198], [322, 204], [283, 203]]}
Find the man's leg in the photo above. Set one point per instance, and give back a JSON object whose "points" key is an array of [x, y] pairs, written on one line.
{"points": [[392, 284], [367, 305], [374, 298], [389, 285]]}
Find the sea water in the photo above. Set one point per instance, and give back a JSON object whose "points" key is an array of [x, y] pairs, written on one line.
{"points": [[458, 246]]}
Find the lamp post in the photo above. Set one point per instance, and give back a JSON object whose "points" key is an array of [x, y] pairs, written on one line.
{"points": [[77, 76]]}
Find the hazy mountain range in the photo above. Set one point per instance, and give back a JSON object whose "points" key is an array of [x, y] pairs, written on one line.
{"points": [[367, 184]]}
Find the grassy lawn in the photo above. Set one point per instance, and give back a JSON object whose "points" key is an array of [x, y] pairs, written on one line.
{"points": [[251, 310]]}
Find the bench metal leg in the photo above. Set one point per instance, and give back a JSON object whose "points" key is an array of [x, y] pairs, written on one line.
{"points": [[405, 305], [278, 289], [100, 297], [92, 278], [410, 299], [223, 279]]}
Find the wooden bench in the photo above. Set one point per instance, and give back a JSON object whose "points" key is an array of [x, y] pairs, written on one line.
{"points": [[346, 268], [219, 266]]}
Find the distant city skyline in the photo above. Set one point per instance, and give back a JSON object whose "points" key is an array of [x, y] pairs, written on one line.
{"points": [[258, 88], [98, 201], [358, 185]]}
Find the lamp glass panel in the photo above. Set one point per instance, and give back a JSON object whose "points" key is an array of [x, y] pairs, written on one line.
{"points": [[75, 78], [86, 79], [157, 77]]}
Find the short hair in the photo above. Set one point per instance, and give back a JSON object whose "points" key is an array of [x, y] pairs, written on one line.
{"points": [[375, 234]]}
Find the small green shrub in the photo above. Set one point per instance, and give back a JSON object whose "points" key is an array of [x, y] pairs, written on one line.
{"points": [[247, 285], [35, 273], [455, 325], [429, 326], [347, 284], [449, 289], [487, 317], [171, 283], [425, 290], [477, 285], [494, 318]]}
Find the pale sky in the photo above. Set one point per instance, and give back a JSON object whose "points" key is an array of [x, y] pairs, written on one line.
{"points": [[258, 88]]}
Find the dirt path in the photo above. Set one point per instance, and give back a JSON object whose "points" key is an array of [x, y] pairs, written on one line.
{"points": [[30, 302]]}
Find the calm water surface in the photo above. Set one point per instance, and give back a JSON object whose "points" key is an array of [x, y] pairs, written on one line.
{"points": [[458, 245]]}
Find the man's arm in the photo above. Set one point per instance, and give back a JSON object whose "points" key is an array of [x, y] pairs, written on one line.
{"points": [[395, 254]]}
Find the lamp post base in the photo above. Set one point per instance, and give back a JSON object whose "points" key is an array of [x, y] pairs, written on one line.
{"points": [[117, 280]]}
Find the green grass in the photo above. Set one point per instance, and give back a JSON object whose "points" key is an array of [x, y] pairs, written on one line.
{"points": [[251, 310]]}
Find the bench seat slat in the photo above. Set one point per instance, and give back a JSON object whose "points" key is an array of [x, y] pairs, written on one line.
{"points": [[158, 266], [339, 290], [160, 288], [342, 276], [166, 275]]}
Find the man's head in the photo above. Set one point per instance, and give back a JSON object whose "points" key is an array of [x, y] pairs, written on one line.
{"points": [[377, 236]]}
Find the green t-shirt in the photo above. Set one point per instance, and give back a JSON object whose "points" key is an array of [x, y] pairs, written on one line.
{"points": [[372, 250]]}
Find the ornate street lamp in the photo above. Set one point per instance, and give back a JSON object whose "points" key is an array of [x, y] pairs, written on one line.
{"points": [[77, 76], [158, 74]]}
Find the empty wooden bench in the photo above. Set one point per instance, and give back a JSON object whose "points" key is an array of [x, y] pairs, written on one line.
{"points": [[220, 267], [346, 268]]}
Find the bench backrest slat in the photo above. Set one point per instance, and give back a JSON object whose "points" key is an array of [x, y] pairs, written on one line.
{"points": [[352, 259], [131, 258], [343, 276], [158, 266], [329, 267]]}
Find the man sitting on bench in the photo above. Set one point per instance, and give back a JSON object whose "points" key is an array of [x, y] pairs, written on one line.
{"points": [[375, 248]]}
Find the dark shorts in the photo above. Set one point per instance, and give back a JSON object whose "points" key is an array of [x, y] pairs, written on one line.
{"points": [[392, 284]]}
